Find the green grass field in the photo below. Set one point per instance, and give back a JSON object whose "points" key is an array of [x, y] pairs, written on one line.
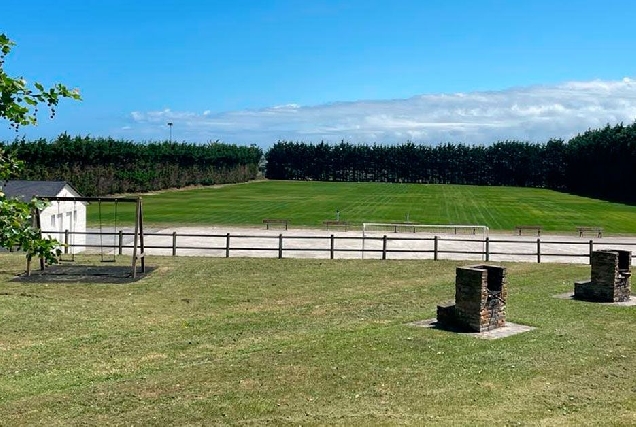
{"points": [[310, 203], [306, 342]]}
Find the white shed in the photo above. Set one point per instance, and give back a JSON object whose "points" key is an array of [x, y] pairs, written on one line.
{"points": [[57, 216]]}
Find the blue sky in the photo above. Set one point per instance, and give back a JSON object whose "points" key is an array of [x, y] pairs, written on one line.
{"points": [[243, 71]]}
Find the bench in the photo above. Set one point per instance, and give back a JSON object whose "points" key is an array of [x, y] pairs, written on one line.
{"points": [[335, 223], [281, 222], [520, 228], [598, 231]]}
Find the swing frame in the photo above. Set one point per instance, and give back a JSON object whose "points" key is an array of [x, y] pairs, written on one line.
{"points": [[138, 256]]}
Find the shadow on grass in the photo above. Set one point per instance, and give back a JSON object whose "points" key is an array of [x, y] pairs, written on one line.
{"points": [[77, 273], [507, 330], [434, 324]]}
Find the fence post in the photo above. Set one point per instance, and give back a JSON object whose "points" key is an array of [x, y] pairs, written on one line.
{"points": [[539, 250], [280, 246], [227, 245], [66, 241], [331, 250], [384, 247], [487, 248], [121, 242], [435, 247], [174, 243], [591, 249]]}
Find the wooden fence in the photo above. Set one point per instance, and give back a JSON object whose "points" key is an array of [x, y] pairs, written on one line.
{"points": [[332, 246]]}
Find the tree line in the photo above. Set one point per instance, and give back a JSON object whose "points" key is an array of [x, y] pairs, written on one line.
{"points": [[101, 166], [598, 163]]}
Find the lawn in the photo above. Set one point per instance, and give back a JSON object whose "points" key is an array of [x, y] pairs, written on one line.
{"points": [[310, 203], [311, 342]]}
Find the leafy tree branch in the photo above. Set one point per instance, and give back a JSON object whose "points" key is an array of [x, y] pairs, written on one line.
{"points": [[19, 106], [18, 101]]}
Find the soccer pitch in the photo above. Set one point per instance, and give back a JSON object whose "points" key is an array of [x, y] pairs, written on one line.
{"points": [[308, 204]]}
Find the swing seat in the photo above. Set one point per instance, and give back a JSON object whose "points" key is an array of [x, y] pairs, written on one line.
{"points": [[101, 234]]}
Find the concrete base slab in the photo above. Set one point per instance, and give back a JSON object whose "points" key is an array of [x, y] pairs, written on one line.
{"points": [[570, 295], [505, 331]]}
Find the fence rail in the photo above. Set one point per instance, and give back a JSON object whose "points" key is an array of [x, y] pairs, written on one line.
{"points": [[333, 246]]}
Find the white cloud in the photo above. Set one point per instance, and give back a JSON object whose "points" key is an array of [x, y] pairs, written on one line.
{"points": [[534, 113]]}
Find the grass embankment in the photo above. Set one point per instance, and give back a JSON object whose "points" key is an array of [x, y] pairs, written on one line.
{"points": [[251, 341], [310, 203]]}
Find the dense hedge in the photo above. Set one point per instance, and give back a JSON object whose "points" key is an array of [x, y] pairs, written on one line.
{"points": [[599, 163], [99, 166], [503, 163], [602, 163]]}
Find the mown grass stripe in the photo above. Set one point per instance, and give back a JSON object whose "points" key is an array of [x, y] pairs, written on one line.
{"points": [[310, 203], [214, 341]]}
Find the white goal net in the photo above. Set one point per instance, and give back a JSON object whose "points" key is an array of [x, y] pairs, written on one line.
{"points": [[375, 228], [372, 231]]}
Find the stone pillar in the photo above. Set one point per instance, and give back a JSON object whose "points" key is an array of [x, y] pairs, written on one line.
{"points": [[480, 299], [611, 277]]}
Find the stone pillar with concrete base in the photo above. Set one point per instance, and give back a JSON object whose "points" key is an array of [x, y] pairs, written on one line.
{"points": [[611, 277], [480, 299]]}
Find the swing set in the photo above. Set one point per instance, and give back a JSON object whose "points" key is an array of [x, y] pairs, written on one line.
{"points": [[138, 256]]}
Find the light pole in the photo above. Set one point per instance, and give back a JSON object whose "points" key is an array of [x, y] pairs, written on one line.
{"points": [[170, 126]]}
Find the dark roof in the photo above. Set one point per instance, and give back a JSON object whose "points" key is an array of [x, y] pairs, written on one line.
{"points": [[25, 190]]}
